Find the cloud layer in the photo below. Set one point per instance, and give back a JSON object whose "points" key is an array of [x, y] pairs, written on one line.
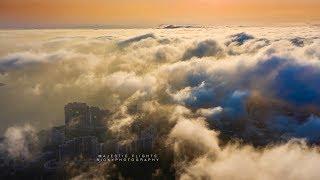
{"points": [[225, 99]]}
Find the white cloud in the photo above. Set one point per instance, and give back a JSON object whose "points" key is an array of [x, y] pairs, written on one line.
{"points": [[199, 156], [20, 142], [210, 112], [145, 79]]}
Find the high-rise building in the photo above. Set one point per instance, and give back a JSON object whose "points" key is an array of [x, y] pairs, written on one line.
{"points": [[96, 117], [81, 116], [76, 115], [144, 142], [56, 136], [83, 146]]}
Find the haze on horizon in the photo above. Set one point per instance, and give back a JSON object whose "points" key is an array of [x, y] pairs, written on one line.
{"points": [[66, 13]]}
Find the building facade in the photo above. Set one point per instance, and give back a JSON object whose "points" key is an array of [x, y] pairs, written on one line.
{"points": [[81, 116], [86, 147]]}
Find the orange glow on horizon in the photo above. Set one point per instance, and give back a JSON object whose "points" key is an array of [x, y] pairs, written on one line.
{"points": [[155, 11]]}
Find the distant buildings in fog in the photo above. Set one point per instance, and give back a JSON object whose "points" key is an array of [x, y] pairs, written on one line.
{"points": [[89, 147], [82, 146], [143, 143], [79, 138], [56, 136], [82, 116]]}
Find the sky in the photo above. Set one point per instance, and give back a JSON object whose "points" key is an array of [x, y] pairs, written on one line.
{"points": [[57, 13]]}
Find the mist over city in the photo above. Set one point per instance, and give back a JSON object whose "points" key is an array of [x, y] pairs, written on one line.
{"points": [[216, 102]]}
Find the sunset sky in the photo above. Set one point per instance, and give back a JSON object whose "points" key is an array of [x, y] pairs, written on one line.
{"points": [[56, 13]]}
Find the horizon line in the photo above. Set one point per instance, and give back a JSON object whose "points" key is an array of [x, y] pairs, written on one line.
{"points": [[139, 26]]}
